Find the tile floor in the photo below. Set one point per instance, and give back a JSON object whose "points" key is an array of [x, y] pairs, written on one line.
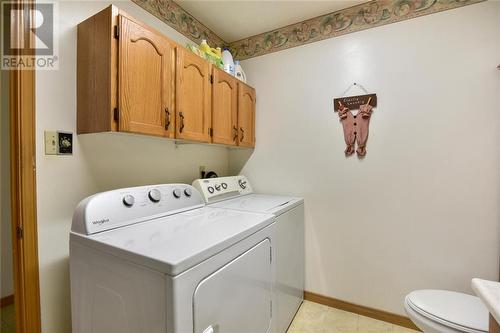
{"points": [[311, 318], [317, 318], [7, 319]]}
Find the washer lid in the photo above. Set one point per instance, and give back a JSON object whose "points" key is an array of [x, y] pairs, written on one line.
{"points": [[273, 204], [450, 308], [175, 243]]}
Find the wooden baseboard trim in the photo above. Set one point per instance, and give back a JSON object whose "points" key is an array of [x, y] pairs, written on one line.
{"points": [[7, 300], [361, 310], [494, 326]]}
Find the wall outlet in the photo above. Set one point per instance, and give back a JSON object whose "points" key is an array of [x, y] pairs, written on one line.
{"points": [[202, 171], [51, 143]]}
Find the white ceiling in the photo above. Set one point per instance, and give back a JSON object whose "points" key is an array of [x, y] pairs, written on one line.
{"points": [[237, 19]]}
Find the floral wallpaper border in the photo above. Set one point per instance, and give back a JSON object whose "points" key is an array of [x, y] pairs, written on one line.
{"points": [[176, 17], [364, 16]]}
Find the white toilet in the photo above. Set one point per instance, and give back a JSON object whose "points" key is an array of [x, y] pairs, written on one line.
{"points": [[442, 311]]}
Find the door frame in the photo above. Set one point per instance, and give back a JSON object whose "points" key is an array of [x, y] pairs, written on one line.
{"points": [[23, 190]]}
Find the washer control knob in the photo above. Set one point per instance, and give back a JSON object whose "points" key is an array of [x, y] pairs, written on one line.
{"points": [[242, 183], [224, 185], [154, 195], [188, 192], [217, 187], [128, 200], [177, 193], [210, 189]]}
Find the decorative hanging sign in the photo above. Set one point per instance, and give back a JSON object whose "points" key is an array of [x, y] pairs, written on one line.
{"points": [[355, 125], [354, 102]]}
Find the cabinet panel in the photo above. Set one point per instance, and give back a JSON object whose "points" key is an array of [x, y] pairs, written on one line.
{"points": [[224, 108], [145, 80], [193, 117], [96, 72], [246, 115]]}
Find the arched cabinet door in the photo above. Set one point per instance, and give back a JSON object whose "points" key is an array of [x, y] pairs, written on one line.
{"points": [[246, 115], [193, 95], [146, 80], [224, 108]]}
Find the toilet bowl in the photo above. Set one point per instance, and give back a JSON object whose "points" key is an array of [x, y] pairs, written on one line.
{"points": [[442, 311]]}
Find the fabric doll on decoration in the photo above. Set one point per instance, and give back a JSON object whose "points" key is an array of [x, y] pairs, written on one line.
{"points": [[355, 127]]}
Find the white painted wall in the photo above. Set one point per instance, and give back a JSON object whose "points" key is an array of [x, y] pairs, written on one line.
{"points": [[99, 162], [422, 210], [6, 264]]}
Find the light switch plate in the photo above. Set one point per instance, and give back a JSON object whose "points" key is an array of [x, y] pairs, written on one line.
{"points": [[58, 143], [51, 143]]}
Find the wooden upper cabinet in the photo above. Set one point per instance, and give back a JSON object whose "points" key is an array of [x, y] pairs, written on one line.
{"points": [[224, 108], [146, 80], [246, 115], [131, 78], [193, 94]]}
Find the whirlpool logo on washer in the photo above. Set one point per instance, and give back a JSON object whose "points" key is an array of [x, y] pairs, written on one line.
{"points": [[100, 222]]}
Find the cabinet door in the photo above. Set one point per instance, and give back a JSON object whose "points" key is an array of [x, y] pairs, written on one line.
{"points": [[246, 115], [224, 108], [146, 83], [193, 117]]}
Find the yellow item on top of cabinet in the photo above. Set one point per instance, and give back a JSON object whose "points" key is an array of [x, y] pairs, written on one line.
{"points": [[214, 52], [213, 55]]}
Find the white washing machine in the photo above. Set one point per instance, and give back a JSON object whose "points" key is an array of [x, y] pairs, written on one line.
{"points": [[155, 259], [235, 193]]}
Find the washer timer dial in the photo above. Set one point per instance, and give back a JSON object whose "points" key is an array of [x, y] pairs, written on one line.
{"points": [[154, 195], [128, 200], [177, 193]]}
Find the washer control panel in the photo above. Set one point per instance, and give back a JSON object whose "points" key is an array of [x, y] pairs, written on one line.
{"points": [[118, 208], [216, 189]]}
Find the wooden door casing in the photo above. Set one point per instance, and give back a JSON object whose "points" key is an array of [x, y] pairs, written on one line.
{"points": [[23, 194], [224, 108], [146, 81], [193, 95], [246, 115]]}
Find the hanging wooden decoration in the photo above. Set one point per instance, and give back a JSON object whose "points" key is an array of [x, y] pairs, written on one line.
{"points": [[354, 102], [355, 124]]}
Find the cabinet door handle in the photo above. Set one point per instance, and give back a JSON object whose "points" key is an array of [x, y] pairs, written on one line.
{"points": [[242, 133], [182, 122], [235, 133], [167, 118]]}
